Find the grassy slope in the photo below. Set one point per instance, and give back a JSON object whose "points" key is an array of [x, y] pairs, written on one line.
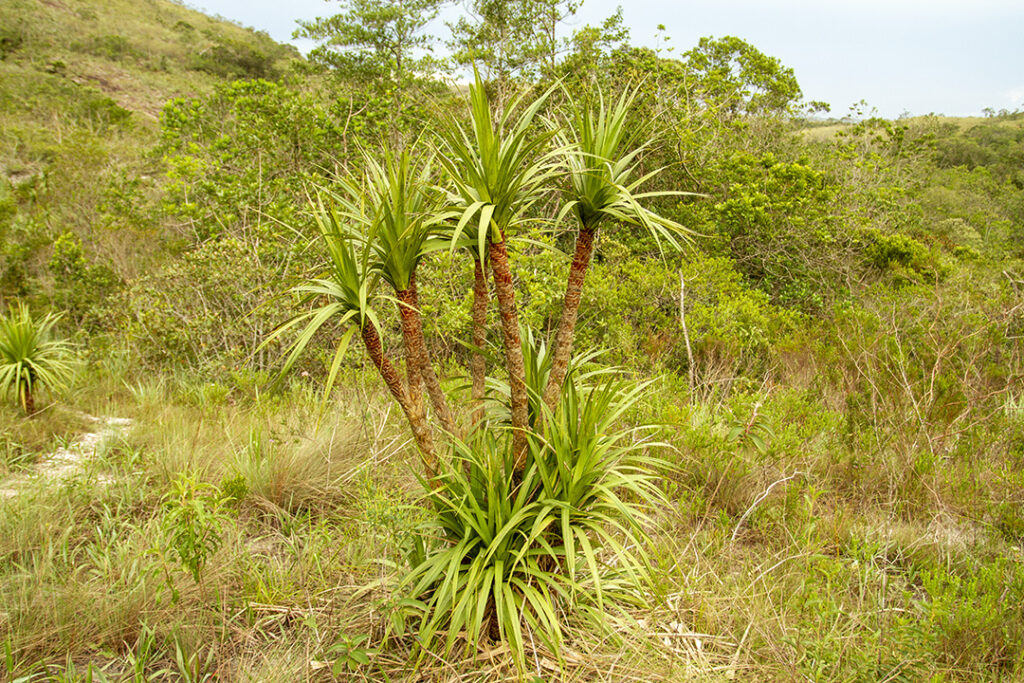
{"points": [[828, 131], [139, 53], [81, 87]]}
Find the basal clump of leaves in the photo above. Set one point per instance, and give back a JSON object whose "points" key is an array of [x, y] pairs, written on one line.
{"points": [[520, 553], [31, 358]]}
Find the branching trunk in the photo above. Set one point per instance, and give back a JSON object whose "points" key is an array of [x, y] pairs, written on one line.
{"points": [[513, 350], [416, 416], [416, 348], [477, 361], [562, 351]]}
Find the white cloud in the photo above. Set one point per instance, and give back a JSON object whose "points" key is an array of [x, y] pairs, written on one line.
{"points": [[1015, 96], [861, 5]]}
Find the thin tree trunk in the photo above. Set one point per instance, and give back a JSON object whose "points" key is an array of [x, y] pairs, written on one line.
{"points": [[562, 352], [477, 361], [686, 333], [520, 403], [417, 418], [416, 346], [29, 401]]}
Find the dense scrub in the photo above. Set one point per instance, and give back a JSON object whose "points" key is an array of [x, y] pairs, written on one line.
{"points": [[843, 411]]}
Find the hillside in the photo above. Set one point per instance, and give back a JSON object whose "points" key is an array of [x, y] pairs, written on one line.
{"points": [[351, 375], [81, 86]]}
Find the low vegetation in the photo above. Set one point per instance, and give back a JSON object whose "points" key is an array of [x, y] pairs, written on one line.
{"points": [[751, 408]]}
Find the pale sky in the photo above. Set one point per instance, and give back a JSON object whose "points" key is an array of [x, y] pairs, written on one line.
{"points": [[952, 57]]}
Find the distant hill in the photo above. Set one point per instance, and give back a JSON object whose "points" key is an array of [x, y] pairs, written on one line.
{"points": [[82, 83], [137, 52]]}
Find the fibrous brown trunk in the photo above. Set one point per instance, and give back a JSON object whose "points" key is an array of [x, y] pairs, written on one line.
{"points": [[520, 403], [413, 373], [419, 358], [477, 362], [416, 416], [29, 401], [562, 352]]}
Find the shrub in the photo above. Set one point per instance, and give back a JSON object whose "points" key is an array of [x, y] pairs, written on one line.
{"points": [[113, 47], [11, 39], [886, 251], [204, 309], [975, 619], [231, 59], [80, 285], [777, 220], [193, 523]]}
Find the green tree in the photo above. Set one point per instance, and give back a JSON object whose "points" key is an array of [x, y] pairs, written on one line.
{"points": [[510, 39], [736, 78], [590, 48], [379, 42]]}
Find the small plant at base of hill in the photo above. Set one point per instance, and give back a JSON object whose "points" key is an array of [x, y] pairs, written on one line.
{"points": [[30, 358], [193, 524], [349, 653], [234, 490], [753, 432]]}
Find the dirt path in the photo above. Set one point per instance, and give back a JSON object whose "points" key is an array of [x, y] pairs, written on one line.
{"points": [[70, 460]]}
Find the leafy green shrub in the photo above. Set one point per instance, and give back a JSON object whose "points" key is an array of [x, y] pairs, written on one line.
{"points": [[20, 240], [977, 619], [231, 59], [204, 310], [234, 489], [30, 358], [960, 233], [632, 308], [103, 112], [777, 221], [244, 153], [888, 251], [349, 653], [80, 285], [1008, 520], [113, 47], [193, 523]]}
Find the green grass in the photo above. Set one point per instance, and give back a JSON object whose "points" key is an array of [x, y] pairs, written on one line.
{"points": [[864, 566]]}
